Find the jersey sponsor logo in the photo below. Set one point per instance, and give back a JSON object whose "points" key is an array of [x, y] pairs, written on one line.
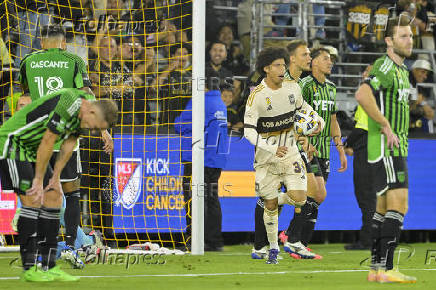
{"points": [[49, 64], [324, 104], [128, 181]]}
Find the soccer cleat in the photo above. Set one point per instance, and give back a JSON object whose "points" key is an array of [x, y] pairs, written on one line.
{"points": [[298, 251], [98, 238], [272, 256], [58, 275], [72, 258], [283, 237], [35, 275], [259, 254], [394, 276], [372, 275]]}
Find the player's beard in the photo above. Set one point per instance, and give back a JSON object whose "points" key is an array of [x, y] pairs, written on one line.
{"points": [[402, 52]]}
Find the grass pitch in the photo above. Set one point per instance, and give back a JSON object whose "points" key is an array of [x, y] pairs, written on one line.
{"points": [[234, 269]]}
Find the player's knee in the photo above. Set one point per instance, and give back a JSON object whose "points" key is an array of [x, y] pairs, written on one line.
{"points": [[271, 205], [297, 198], [53, 198], [28, 201]]}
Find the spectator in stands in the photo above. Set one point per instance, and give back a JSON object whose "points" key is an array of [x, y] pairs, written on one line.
{"points": [[175, 83], [235, 61], [131, 50], [112, 80], [150, 105], [167, 38], [233, 121], [421, 113], [218, 54], [215, 153]]}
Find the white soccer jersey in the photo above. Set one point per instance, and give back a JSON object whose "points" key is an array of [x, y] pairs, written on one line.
{"points": [[269, 118]]}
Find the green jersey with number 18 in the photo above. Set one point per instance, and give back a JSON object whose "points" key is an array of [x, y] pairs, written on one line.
{"points": [[46, 71]]}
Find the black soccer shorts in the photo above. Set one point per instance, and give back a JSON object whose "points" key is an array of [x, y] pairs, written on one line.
{"points": [[390, 173], [73, 168], [320, 167], [17, 176]]}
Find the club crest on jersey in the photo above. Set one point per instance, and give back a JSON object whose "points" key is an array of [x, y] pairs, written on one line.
{"points": [[291, 99], [401, 176], [128, 181], [268, 102]]}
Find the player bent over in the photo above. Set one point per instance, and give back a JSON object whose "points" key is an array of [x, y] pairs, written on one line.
{"points": [[269, 120], [385, 98], [26, 146]]}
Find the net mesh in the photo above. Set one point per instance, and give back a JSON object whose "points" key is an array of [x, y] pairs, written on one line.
{"points": [[137, 53]]}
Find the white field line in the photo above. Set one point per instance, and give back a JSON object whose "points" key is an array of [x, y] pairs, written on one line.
{"points": [[227, 274]]}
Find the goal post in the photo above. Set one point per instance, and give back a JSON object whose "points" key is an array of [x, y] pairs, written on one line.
{"points": [[198, 79]]}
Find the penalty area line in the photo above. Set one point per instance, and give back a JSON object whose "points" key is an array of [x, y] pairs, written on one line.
{"points": [[225, 274]]}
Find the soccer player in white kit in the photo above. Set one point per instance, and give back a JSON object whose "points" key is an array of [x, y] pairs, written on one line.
{"points": [[268, 123]]}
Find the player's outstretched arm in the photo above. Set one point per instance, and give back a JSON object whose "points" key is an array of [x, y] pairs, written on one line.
{"points": [[43, 155], [366, 99], [337, 139]]}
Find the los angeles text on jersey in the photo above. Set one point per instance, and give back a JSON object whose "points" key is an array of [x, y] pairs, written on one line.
{"points": [[49, 64]]}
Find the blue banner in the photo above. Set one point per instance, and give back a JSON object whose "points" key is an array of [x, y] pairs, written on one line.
{"points": [[148, 182]]}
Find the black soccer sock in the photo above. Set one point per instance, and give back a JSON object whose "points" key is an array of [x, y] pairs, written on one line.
{"points": [[390, 235], [297, 223], [260, 237], [27, 235], [48, 229], [376, 226], [310, 221], [72, 216]]}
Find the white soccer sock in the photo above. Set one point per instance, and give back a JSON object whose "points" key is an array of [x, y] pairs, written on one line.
{"points": [[271, 220]]}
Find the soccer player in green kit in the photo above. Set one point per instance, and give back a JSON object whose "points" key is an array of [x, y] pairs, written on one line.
{"points": [[385, 98], [27, 140], [320, 93], [44, 72]]}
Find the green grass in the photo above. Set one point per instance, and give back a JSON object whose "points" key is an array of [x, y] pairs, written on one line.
{"points": [[234, 269]]}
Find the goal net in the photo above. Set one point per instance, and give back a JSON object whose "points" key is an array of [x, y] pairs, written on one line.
{"points": [[138, 53]]}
